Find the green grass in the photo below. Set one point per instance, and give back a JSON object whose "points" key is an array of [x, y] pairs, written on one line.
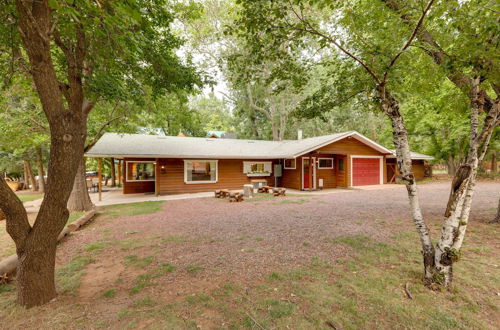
{"points": [[73, 216], [97, 247], [144, 302], [291, 201], [174, 238], [142, 281], [68, 276], [114, 211], [29, 198], [164, 269], [111, 293], [133, 260], [193, 268]]}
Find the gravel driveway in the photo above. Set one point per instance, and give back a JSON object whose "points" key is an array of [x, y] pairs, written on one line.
{"points": [[248, 240]]}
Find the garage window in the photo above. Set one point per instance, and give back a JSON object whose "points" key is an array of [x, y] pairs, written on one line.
{"points": [[325, 163]]}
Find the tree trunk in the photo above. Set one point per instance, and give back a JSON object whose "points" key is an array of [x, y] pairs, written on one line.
{"points": [[35, 272], [31, 176], [451, 166], [494, 162], [462, 188], [35, 245], [41, 178], [113, 173], [26, 177], [403, 156], [79, 200]]}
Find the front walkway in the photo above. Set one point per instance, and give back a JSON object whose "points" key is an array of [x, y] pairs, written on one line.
{"points": [[116, 196], [113, 196]]}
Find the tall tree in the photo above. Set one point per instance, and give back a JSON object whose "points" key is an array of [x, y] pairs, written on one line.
{"points": [[78, 52]]}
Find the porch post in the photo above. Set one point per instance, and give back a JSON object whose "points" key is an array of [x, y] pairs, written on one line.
{"points": [[113, 173], [119, 171], [99, 177], [310, 172], [157, 177]]}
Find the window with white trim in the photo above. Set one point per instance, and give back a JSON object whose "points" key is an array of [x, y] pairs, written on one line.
{"points": [[140, 171], [325, 163], [264, 168], [290, 164], [200, 171]]}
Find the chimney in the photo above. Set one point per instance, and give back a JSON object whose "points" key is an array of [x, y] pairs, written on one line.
{"points": [[299, 134]]}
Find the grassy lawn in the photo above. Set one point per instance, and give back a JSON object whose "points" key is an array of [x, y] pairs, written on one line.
{"points": [[362, 290], [29, 197]]}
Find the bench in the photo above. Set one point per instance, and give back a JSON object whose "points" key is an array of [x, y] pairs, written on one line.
{"points": [[221, 193], [279, 191], [265, 189], [235, 196]]}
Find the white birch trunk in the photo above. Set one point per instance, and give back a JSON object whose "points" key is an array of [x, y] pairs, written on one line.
{"points": [[403, 156]]}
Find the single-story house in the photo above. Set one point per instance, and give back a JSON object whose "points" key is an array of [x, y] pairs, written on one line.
{"points": [[173, 165]]}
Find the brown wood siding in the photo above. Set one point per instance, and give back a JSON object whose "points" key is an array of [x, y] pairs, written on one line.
{"points": [[230, 176], [292, 178], [136, 187], [418, 169], [348, 146]]}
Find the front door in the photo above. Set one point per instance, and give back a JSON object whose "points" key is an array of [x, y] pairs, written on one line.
{"points": [[305, 173]]}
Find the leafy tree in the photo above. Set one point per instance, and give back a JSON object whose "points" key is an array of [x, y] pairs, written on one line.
{"points": [[79, 53], [373, 44]]}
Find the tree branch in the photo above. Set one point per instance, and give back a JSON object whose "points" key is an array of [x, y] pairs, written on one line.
{"points": [[99, 132], [255, 106], [328, 38], [410, 40], [18, 225]]}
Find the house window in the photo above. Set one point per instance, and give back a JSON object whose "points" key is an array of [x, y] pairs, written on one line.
{"points": [[257, 168], [325, 163], [341, 164], [290, 164], [200, 171], [140, 171]]}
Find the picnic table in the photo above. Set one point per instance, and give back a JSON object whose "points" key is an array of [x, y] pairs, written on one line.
{"points": [[265, 189]]}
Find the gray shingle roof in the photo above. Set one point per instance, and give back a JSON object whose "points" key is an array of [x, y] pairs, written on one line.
{"points": [[138, 145], [414, 155]]}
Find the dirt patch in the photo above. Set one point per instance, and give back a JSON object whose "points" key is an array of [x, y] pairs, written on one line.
{"points": [[99, 277]]}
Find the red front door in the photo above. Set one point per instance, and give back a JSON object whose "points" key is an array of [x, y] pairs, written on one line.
{"points": [[365, 171], [305, 164]]}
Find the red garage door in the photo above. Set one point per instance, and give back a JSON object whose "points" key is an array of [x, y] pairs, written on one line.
{"points": [[365, 171]]}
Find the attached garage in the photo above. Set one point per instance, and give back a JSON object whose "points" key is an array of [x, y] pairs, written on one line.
{"points": [[366, 170]]}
